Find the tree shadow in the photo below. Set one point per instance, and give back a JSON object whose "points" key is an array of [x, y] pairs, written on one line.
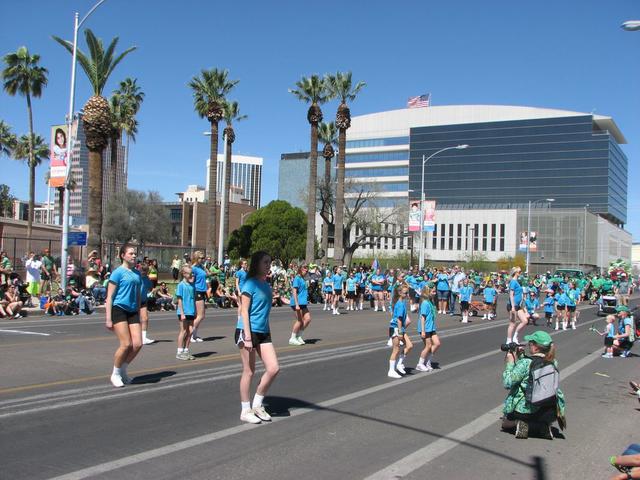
{"points": [[152, 377], [282, 406]]}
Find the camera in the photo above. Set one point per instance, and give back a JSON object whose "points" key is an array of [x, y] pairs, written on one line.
{"points": [[512, 347]]}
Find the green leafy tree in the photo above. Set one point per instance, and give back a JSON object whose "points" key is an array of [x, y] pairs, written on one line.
{"points": [[239, 245], [6, 201], [137, 216], [210, 89], [22, 75], [312, 90], [340, 86], [8, 139], [96, 120], [328, 135]]}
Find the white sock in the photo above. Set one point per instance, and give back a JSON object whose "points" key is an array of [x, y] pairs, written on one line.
{"points": [[179, 351], [429, 357], [116, 371], [392, 365], [515, 339], [293, 335], [194, 333], [245, 406], [508, 340], [401, 360], [257, 400], [144, 335], [421, 361]]}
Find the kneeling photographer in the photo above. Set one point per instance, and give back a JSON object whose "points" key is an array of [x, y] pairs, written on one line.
{"points": [[534, 401]]}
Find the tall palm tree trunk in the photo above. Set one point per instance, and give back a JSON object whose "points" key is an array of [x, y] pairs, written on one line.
{"points": [[311, 209], [213, 185], [94, 239], [227, 189], [338, 240], [32, 176], [325, 232], [113, 164]]}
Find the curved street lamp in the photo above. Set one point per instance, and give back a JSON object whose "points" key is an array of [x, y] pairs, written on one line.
{"points": [[631, 25]]}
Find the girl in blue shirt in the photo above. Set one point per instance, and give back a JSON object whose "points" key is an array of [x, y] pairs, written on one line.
{"points": [[377, 287], [200, 283], [338, 281], [327, 290], [465, 293], [351, 291], [561, 299], [532, 304], [427, 330], [253, 335], [517, 316], [186, 310], [442, 287], [299, 301], [549, 307], [240, 278], [573, 297], [123, 313], [490, 295], [397, 331]]}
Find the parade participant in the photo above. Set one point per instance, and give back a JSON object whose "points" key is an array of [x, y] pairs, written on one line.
{"points": [[299, 302], [427, 330], [337, 289], [519, 410], [377, 287], [608, 334], [531, 305], [442, 287], [252, 336], [239, 278], [351, 291], [361, 278], [573, 297], [397, 330], [186, 295], [625, 338], [465, 292], [123, 313], [490, 295], [145, 287], [561, 307], [327, 290], [549, 307], [517, 313], [200, 284]]}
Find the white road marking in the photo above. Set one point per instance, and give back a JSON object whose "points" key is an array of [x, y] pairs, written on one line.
{"points": [[26, 333]]}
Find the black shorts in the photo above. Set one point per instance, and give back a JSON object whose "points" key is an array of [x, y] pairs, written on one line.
{"points": [[360, 290], [625, 344], [571, 308], [412, 293], [257, 338], [45, 276], [400, 334], [464, 305], [560, 307], [490, 304], [201, 296], [302, 307], [518, 307], [608, 341], [187, 318], [548, 315], [337, 292], [351, 295], [430, 334], [121, 315]]}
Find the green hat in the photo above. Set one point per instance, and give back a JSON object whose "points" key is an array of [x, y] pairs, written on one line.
{"points": [[622, 308], [539, 338]]}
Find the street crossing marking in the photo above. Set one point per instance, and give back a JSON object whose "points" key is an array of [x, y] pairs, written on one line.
{"points": [[26, 333]]}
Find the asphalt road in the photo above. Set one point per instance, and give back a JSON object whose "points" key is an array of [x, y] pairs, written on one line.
{"points": [[336, 414]]}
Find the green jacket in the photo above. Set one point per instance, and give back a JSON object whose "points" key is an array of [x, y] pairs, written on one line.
{"points": [[516, 378]]}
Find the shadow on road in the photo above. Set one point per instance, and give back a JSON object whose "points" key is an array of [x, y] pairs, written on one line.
{"points": [[312, 341], [203, 354], [211, 339], [152, 377]]}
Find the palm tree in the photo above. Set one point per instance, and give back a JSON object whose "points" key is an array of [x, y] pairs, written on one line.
{"points": [[124, 103], [328, 135], [96, 120], [24, 76], [7, 139], [340, 86], [209, 91], [33, 150], [312, 90], [231, 114]]}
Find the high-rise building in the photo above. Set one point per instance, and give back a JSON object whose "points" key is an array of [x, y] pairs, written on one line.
{"points": [[79, 201], [246, 173]]}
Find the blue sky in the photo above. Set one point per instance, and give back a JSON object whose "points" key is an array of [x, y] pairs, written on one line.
{"points": [[568, 55]]}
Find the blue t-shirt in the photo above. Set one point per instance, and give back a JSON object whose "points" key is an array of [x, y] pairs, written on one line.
{"points": [[573, 296], [562, 299], [186, 291], [611, 330], [259, 306], [548, 304], [351, 284], [531, 304], [327, 284], [489, 294], [360, 278], [465, 293], [515, 287], [337, 281], [443, 282], [426, 311], [128, 284], [399, 313], [241, 275], [377, 286], [411, 281], [145, 288], [301, 288], [199, 278]]}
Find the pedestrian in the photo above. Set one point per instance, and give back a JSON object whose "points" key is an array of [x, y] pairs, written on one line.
{"points": [[49, 271], [561, 307], [145, 287], [465, 292], [299, 302], [490, 295], [573, 296], [239, 278], [397, 331], [33, 266], [253, 336], [351, 285], [427, 331], [176, 265], [338, 280], [153, 273], [12, 302], [517, 314], [625, 338], [186, 295], [609, 335], [200, 283], [377, 288], [327, 290], [442, 287], [531, 304], [123, 313], [549, 307]]}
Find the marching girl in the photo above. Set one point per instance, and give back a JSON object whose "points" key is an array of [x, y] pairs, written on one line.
{"points": [[427, 331], [240, 278], [397, 330], [200, 284], [573, 297], [299, 301], [561, 308], [327, 290]]}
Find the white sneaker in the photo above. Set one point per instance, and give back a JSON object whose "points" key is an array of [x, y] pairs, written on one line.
{"points": [[422, 368], [126, 379], [573, 326], [390, 342], [116, 380], [384, 309], [148, 341], [393, 374], [249, 417], [401, 369], [375, 309], [262, 414], [429, 368], [196, 340], [564, 328], [484, 317], [301, 340], [294, 341], [338, 312], [324, 308]]}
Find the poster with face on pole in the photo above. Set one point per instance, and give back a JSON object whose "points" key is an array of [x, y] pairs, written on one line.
{"points": [[528, 238], [58, 149], [428, 216], [414, 216]]}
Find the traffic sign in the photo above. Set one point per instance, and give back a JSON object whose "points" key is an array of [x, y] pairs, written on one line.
{"points": [[77, 238]]}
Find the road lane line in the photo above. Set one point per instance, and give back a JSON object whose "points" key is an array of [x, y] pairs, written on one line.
{"points": [[26, 333], [423, 456]]}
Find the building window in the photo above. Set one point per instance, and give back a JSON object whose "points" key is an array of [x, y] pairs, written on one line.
{"points": [[502, 237], [485, 231], [476, 235], [434, 242]]}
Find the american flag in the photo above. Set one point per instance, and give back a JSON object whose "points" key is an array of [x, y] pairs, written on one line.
{"points": [[419, 101]]}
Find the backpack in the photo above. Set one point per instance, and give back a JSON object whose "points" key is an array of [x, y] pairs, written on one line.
{"points": [[543, 382]]}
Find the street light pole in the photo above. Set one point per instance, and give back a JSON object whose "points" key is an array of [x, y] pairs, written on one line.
{"points": [[70, 142], [550, 200], [425, 159]]}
